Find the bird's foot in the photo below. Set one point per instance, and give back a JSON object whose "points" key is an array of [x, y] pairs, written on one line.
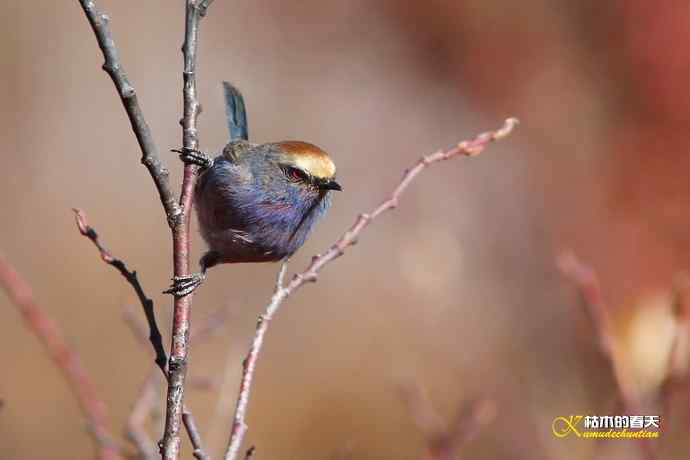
{"points": [[185, 285], [194, 157]]}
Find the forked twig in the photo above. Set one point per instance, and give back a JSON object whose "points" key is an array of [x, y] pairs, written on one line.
{"points": [[177, 211], [443, 439], [154, 335]]}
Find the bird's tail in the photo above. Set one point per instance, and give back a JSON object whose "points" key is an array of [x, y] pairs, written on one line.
{"points": [[235, 112]]}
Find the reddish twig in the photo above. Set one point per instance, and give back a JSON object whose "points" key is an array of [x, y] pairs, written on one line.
{"points": [[444, 440], [587, 283], [143, 405], [66, 359], [179, 348], [154, 335], [177, 212], [146, 398], [466, 148]]}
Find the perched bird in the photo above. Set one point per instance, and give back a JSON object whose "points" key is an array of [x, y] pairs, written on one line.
{"points": [[256, 202]]}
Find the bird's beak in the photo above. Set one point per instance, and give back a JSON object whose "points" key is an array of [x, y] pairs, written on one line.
{"points": [[330, 185]]}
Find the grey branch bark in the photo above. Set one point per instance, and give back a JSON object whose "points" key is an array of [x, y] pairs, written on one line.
{"points": [[150, 158]]}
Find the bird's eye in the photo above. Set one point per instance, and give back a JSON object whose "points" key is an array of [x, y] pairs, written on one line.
{"points": [[296, 174]]}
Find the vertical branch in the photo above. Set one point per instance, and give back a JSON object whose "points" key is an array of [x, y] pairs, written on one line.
{"points": [[66, 359], [177, 212], [177, 367]]}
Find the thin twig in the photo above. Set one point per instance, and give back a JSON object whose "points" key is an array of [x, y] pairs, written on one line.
{"points": [[136, 429], [250, 453], [154, 335], [179, 348], [131, 276], [194, 435], [239, 426], [113, 66], [598, 312], [466, 148], [142, 407], [66, 359], [444, 440], [204, 6], [177, 212]]}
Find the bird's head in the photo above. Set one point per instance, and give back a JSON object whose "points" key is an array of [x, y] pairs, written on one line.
{"points": [[305, 166]]}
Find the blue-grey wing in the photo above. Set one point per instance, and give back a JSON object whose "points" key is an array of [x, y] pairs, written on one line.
{"points": [[235, 112]]}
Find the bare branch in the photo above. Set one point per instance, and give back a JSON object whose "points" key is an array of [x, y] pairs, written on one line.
{"points": [[154, 335], [179, 348], [587, 282], [466, 148], [136, 430], [239, 426], [64, 357], [113, 66], [131, 276], [444, 440], [141, 408], [178, 213], [194, 435]]}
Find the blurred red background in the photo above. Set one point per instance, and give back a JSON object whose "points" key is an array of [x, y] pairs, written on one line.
{"points": [[456, 291]]}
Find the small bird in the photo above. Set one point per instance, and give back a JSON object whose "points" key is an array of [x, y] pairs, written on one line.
{"points": [[256, 202]]}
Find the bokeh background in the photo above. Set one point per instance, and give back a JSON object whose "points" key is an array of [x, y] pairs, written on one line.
{"points": [[457, 291]]}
